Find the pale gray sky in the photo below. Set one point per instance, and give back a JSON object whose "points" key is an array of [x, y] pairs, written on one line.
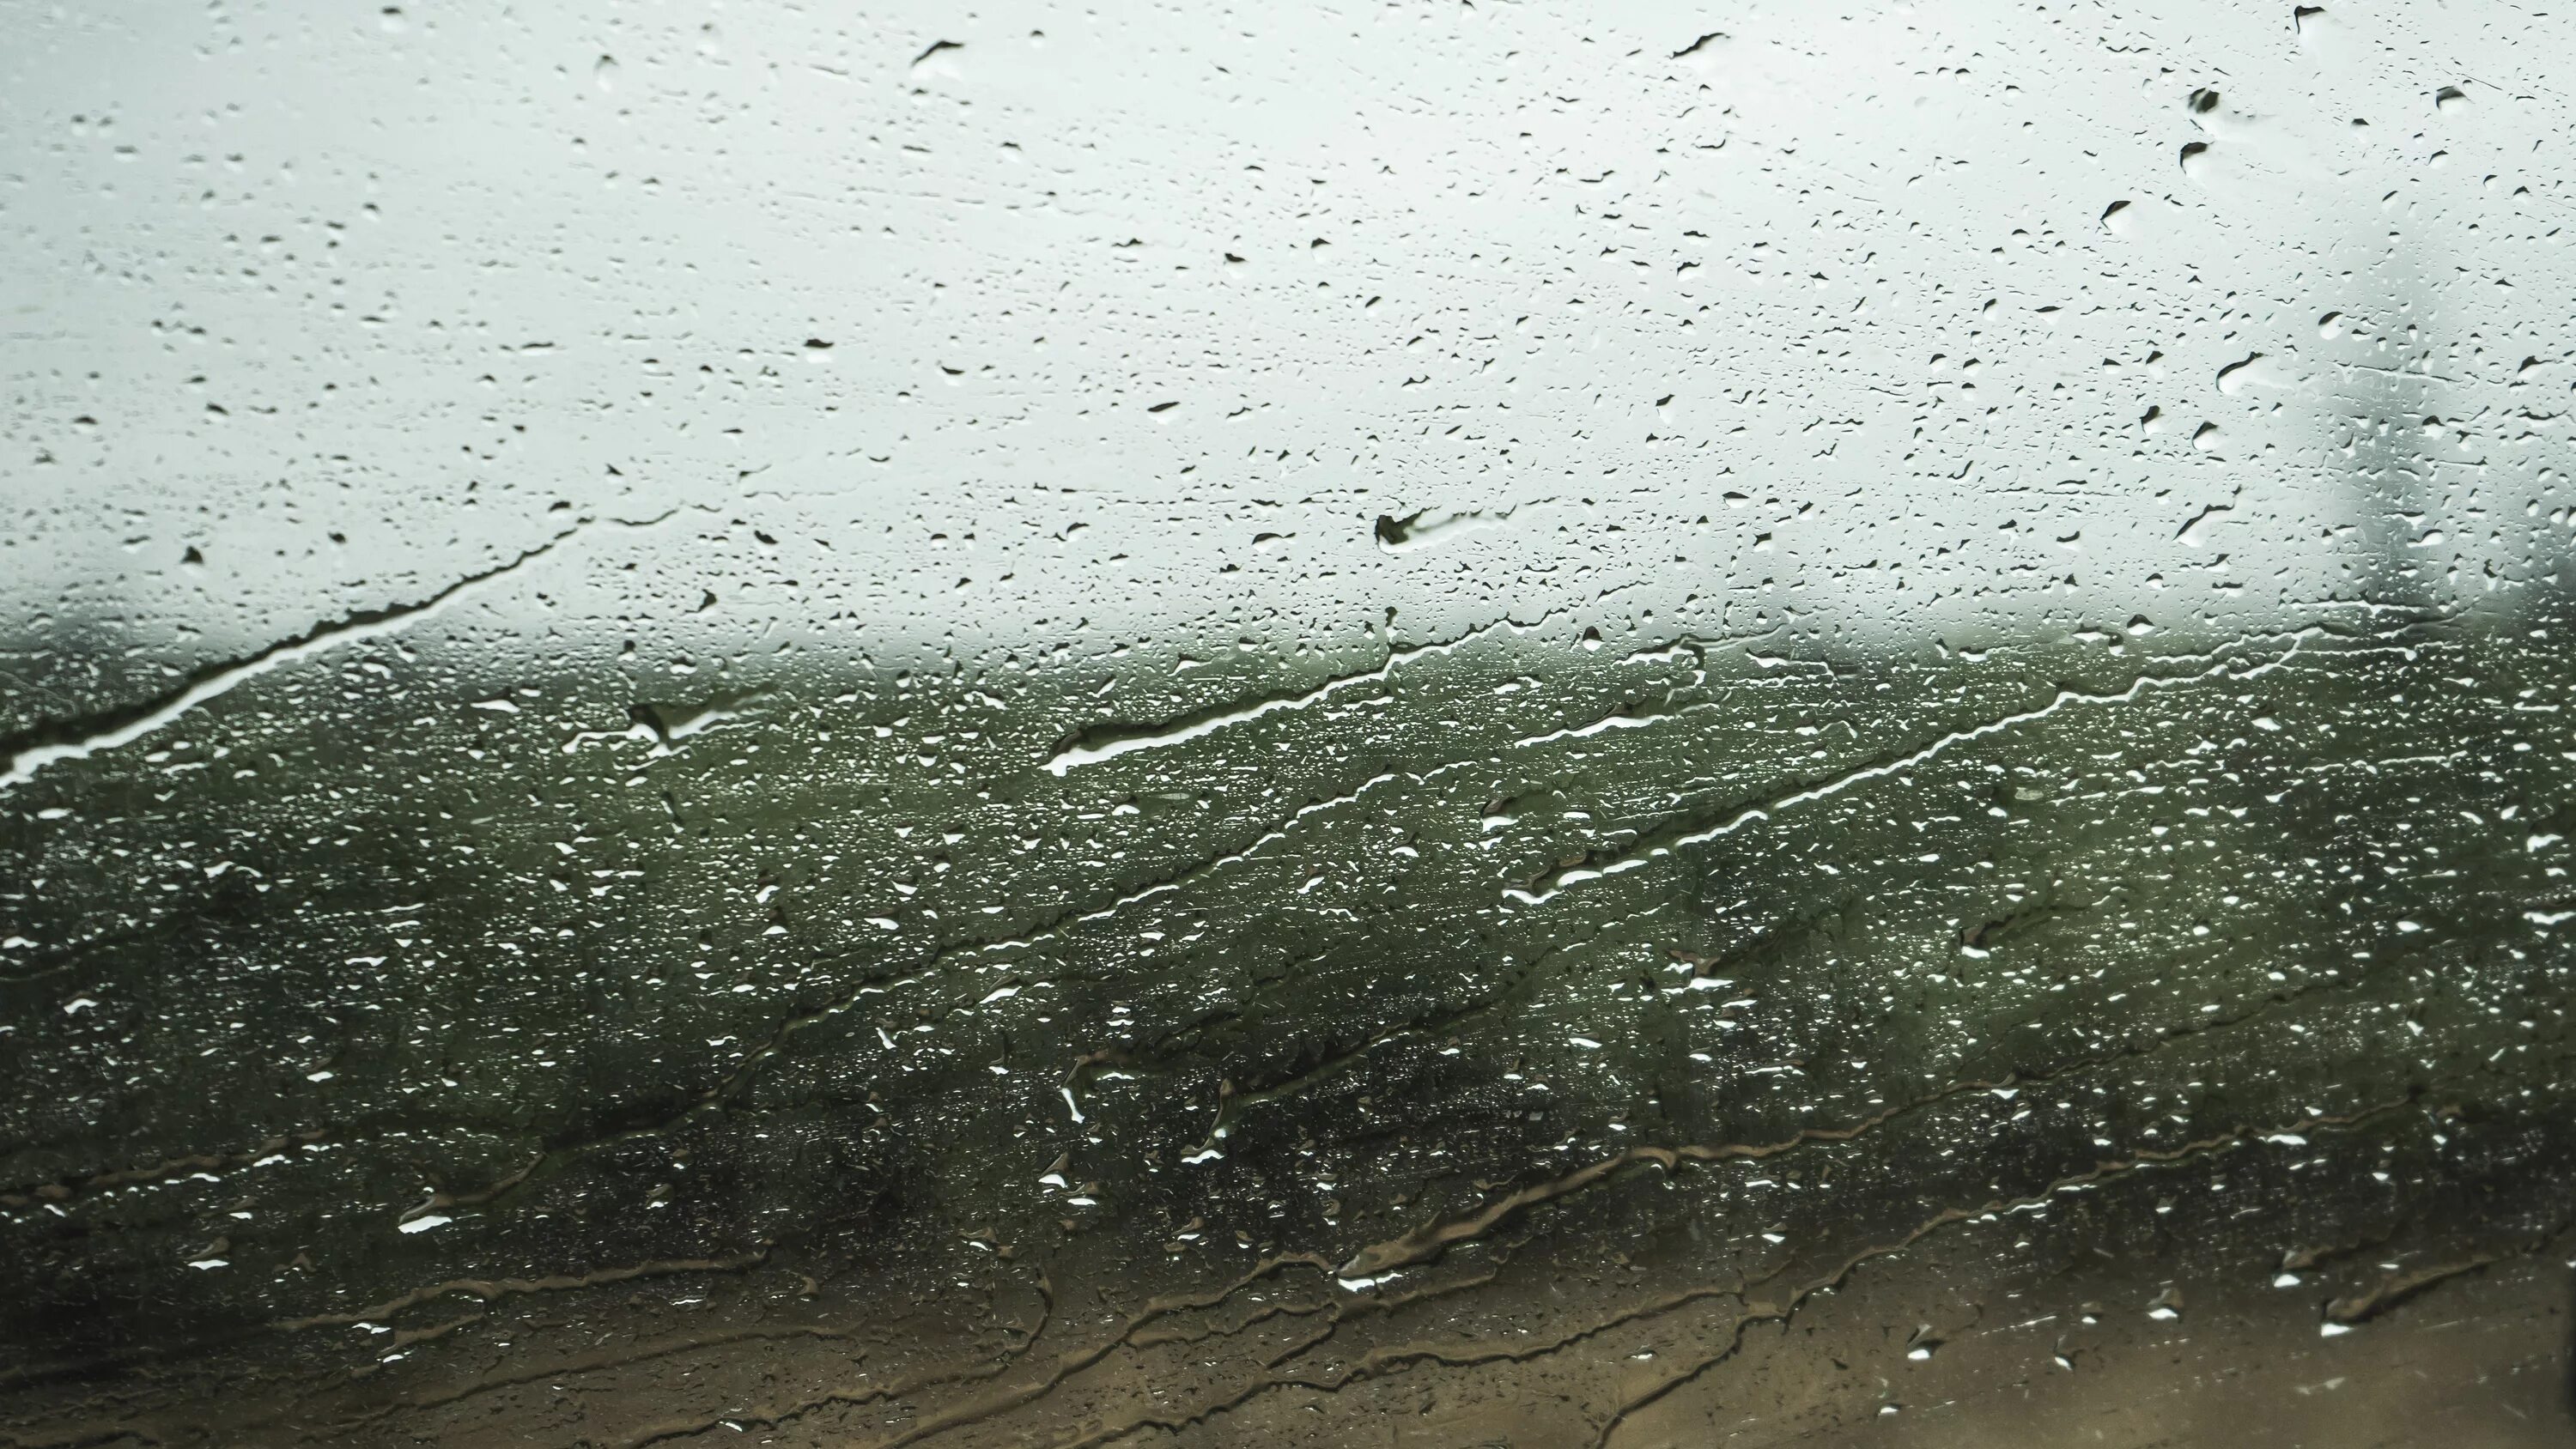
{"points": [[1915, 321]]}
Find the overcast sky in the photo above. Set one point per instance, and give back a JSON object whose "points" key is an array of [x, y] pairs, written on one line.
{"points": [[1043, 329]]}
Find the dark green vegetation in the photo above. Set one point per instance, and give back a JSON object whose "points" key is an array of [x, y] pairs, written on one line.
{"points": [[1527, 1042]]}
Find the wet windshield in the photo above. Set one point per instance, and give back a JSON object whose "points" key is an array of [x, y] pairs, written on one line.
{"points": [[1438, 724]]}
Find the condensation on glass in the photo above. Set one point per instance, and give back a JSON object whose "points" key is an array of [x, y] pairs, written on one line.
{"points": [[1444, 724]]}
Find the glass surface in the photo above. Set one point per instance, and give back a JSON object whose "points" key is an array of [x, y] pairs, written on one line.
{"points": [[1430, 724]]}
